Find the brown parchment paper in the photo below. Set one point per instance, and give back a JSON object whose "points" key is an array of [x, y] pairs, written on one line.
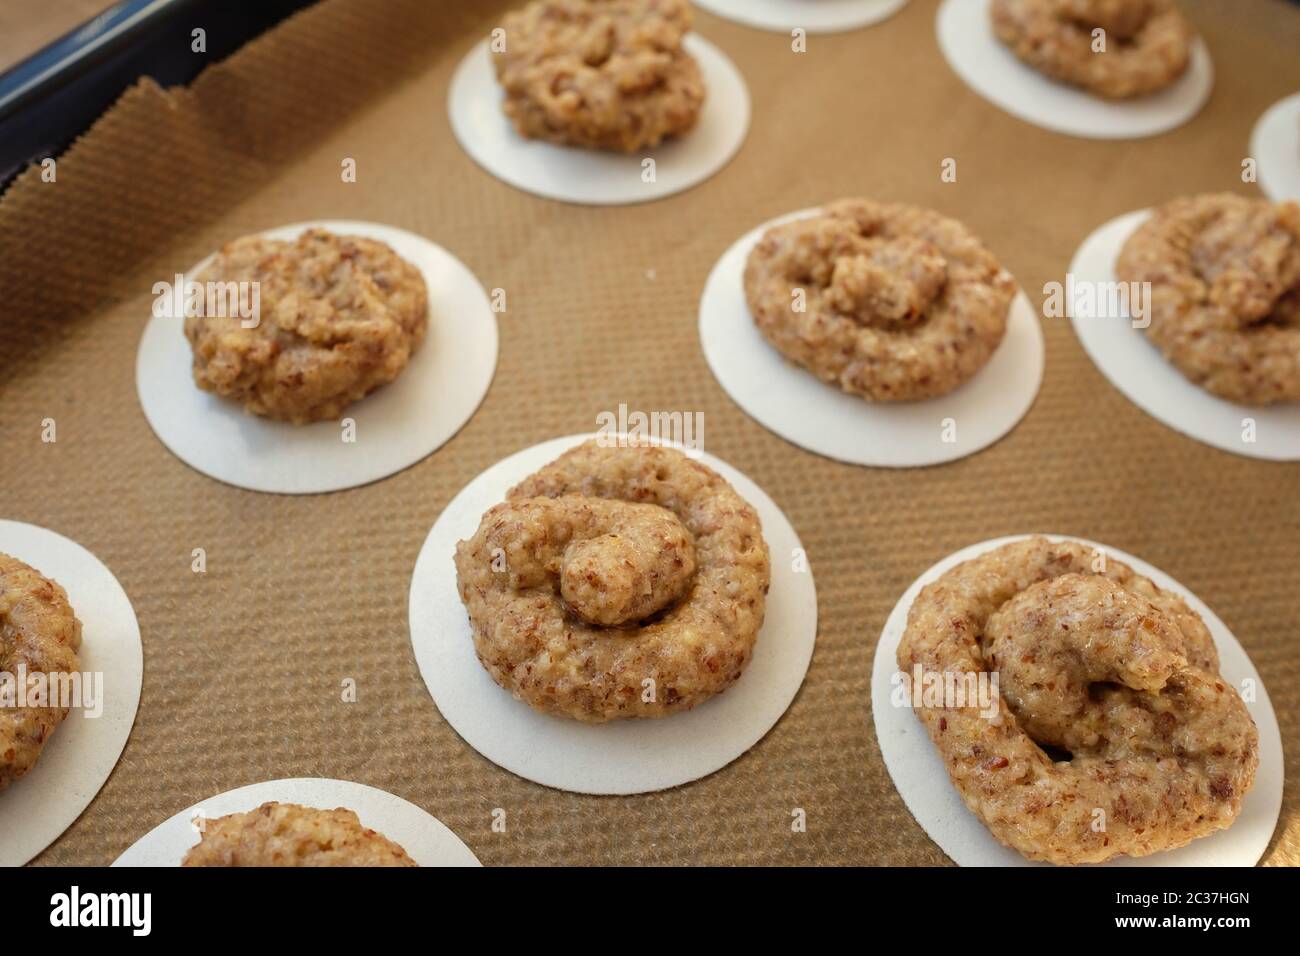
{"points": [[244, 664]]}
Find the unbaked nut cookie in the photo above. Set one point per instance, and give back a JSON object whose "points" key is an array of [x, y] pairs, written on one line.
{"points": [[1112, 732], [618, 581], [39, 634], [1225, 293], [609, 74], [285, 834], [887, 301], [1148, 42], [339, 317]]}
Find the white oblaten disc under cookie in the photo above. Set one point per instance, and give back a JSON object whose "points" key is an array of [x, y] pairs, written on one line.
{"points": [[795, 404], [1275, 147], [814, 16], [621, 756], [922, 780], [393, 427], [75, 764], [425, 839], [1137, 368], [975, 53], [594, 176]]}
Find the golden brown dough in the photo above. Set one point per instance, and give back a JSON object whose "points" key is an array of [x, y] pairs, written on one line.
{"points": [[887, 301], [39, 634], [611, 567], [339, 317], [1113, 734], [1148, 43], [285, 834], [1225, 293], [609, 74]]}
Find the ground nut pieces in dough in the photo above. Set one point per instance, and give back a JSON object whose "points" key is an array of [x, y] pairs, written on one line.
{"points": [[610, 568], [39, 634], [1110, 705], [1225, 293], [610, 74], [339, 317], [889, 302], [1148, 42], [285, 834]]}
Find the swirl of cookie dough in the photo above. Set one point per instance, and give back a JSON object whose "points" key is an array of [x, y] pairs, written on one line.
{"points": [[1225, 293], [1113, 733], [1148, 42], [39, 634], [889, 302], [614, 569], [607, 74], [286, 834], [339, 316]]}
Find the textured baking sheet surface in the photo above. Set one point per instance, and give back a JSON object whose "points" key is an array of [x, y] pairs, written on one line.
{"points": [[244, 664]]}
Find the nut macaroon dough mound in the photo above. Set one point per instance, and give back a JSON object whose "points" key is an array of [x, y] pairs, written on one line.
{"points": [[608, 74], [618, 581], [1148, 42], [339, 316], [889, 302], [39, 634], [1225, 293], [1112, 732], [285, 834]]}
